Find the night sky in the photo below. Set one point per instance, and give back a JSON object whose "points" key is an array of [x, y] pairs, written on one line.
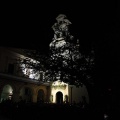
{"points": [[28, 25]]}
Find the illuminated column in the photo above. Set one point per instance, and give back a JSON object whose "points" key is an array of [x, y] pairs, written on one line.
{"points": [[51, 98]]}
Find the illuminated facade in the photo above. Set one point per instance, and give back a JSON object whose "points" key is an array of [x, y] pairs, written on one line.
{"points": [[64, 93], [25, 85]]}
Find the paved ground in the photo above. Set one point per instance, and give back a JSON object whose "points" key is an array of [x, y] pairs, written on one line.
{"points": [[38, 111]]}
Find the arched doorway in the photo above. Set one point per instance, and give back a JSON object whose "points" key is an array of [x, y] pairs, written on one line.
{"points": [[7, 93], [59, 97], [40, 97]]}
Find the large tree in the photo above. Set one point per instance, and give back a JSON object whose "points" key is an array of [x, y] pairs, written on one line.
{"points": [[65, 59]]}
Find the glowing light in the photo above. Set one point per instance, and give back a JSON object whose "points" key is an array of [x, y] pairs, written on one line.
{"points": [[105, 116]]}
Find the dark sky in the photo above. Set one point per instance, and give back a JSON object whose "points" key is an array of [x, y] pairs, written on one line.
{"points": [[28, 25]]}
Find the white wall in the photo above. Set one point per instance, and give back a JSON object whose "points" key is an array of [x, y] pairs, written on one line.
{"points": [[77, 93]]}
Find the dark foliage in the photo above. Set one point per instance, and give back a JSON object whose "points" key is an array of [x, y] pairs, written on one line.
{"points": [[65, 60]]}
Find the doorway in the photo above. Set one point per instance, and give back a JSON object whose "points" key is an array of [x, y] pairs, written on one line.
{"points": [[59, 97]]}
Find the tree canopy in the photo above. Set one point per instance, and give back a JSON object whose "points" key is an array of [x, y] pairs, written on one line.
{"points": [[65, 60]]}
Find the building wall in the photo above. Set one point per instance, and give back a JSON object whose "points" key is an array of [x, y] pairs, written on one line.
{"points": [[14, 84], [78, 94], [30, 90], [7, 58]]}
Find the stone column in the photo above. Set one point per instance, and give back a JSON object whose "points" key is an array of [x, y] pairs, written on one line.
{"points": [[15, 96], [34, 97], [48, 94]]}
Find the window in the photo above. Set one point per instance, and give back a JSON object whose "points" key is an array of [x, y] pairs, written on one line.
{"points": [[10, 68]]}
